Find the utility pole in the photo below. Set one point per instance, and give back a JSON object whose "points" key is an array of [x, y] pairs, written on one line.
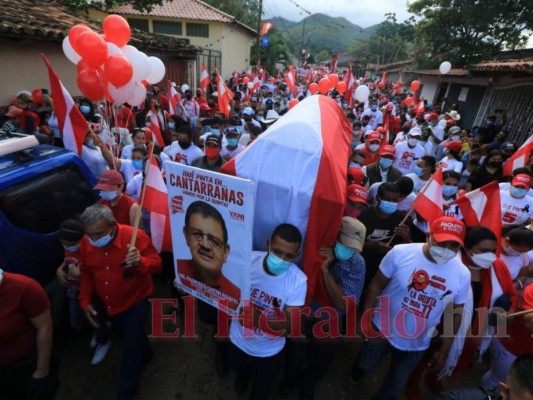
{"points": [[302, 50], [258, 32]]}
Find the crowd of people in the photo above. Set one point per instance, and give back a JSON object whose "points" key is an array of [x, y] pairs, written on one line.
{"points": [[419, 271]]}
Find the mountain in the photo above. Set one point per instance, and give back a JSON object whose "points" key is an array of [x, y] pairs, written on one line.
{"points": [[321, 32]]}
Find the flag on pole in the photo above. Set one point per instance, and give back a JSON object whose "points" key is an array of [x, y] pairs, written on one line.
{"points": [[225, 96], [156, 128], [156, 201], [384, 78], [334, 59], [398, 87], [72, 123], [173, 99], [428, 203], [266, 27], [205, 79], [257, 84], [290, 79], [481, 207], [349, 80], [519, 158]]}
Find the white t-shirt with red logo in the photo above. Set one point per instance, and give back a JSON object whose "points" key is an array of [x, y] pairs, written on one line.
{"points": [[406, 157], [415, 297], [451, 164], [187, 156], [515, 211]]}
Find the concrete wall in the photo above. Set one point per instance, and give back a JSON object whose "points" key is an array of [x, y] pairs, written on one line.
{"points": [[235, 50], [23, 67]]}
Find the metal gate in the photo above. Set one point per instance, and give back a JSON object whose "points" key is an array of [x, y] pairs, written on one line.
{"points": [[468, 98], [517, 101], [211, 59]]}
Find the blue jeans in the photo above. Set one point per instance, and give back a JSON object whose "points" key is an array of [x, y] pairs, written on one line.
{"points": [[401, 366], [130, 326]]}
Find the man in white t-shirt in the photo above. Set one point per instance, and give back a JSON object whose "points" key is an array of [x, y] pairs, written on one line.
{"points": [[516, 205], [414, 285], [376, 116], [183, 151], [407, 153], [277, 285]]}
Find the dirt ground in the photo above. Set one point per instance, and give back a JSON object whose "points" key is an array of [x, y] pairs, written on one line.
{"points": [[183, 369]]}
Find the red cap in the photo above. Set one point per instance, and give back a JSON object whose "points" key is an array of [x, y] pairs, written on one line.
{"points": [[357, 174], [14, 112], [522, 180], [374, 136], [357, 193], [432, 116], [109, 180], [380, 129], [450, 122], [448, 229], [387, 150], [454, 146], [390, 107]]}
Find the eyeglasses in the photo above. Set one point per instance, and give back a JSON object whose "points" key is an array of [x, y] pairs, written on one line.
{"points": [[198, 235]]}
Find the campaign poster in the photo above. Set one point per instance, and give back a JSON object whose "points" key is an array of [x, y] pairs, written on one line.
{"points": [[211, 219]]}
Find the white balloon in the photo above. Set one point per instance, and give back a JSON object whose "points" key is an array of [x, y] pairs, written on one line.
{"points": [[184, 88], [157, 70], [445, 67], [139, 94], [261, 71], [70, 53], [250, 85], [128, 50], [123, 94], [361, 93], [113, 49], [141, 65]]}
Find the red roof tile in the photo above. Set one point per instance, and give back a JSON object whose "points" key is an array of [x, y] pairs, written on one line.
{"points": [[435, 72], [504, 66]]}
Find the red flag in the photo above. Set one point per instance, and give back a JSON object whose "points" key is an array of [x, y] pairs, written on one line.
{"points": [[173, 99], [428, 203], [266, 27], [398, 87], [72, 123], [349, 80], [481, 207], [384, 78], [257, 84], [205, 79], [156, 128], [264, 75], [334, 59], [519, 158], [156, 201], [224, 96], [421, 108], [290, 79]]}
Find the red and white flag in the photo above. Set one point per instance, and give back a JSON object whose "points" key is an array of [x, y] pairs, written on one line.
{"points": [[225, 96], [205, 79], [334, 59], [266, 27], [290, 79], [398, 87], [173, 99], [384, 78], [481, 207], [305, 184], [428, 203], [72, 123], [519, 158], [349, 80], [156, 128], [257, 84], [156, 201]]}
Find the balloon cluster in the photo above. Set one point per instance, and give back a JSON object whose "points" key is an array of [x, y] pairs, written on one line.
{"points": [[108, 68], [328, 83]]}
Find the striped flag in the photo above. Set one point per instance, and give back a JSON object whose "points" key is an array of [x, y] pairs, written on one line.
{"points": [[173, 99], [225, 96], [334, 59], [156, 128], [349, 80], [290, 79], [428, 203], [266, 27], [205, 79], [72, 123], [519, 158]]}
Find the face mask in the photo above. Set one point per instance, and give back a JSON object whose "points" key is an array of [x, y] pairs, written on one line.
{"points": [[374, 108], [412, 142], [276, 265], [356, 134], [448, 190], [108, 195], [495, 164], [352, 212], [72, 249], [354, 165], [212, 152], [103, 241], [171, 125], [85, 109], [215, 131], [137, 164], [148, 124], [456, 138], [184, 145], [98, 128], [518, 192], [233, 142], [388, 207], [483, 260], [511, 251], [90, 143], [385, 162], [431, 123], [419, 171], [343, 252], [441, 255], [373, 147]]}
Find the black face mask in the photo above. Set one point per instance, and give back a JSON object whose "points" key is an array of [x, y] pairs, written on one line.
{"points": [[184, 145], [495, 164]]}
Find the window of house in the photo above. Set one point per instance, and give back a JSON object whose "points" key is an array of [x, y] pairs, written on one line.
{"points": [[198, 30], [141, 24], [167, 27]]}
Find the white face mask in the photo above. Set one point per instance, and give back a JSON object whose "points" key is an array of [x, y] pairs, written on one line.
{"points": [[483, 260], [456, 138], [441, 255], [373, 147], [511, 252], [412, 141]]}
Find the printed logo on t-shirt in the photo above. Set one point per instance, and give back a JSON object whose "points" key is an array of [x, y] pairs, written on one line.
{"points": [[379, 234], [181, 158], [406, 160], [424, 293], [264, 301], [512, 212]]}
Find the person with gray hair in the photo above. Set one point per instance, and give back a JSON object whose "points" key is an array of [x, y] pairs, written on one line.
{"points": [[119, 276]]}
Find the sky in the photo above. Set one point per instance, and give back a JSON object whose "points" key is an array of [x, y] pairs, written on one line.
{"points": [[362, 13]]}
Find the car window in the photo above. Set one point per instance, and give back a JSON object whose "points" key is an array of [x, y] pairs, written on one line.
{"points": [[41, 203]]}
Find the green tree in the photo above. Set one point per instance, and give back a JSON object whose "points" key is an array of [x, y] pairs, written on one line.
{"points": [[322, 56], [465, 31], [277, 52]]}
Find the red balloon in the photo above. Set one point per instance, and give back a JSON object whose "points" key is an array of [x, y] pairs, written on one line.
{"points": [[408, 101], [92, 48], [81, 65], [292, 103], [381, 85], [415, 85], [324, 85], [334, 78], [118, 70], [313, 88], [341, 87], [37, 96], [245, 80], [74, 33], [116, 30], [90, 84]]}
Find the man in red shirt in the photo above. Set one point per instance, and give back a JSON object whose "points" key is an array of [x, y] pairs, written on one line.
{"points": [[124, 118], [120, 277], [111, 186], [372, 149]]}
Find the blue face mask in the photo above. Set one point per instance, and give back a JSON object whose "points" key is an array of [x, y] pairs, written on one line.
{"points": [[137, 164], [276, 265], [448, 190], [418, 170], [385, 162], [103, 241], [374, 108], [85, 109], [343, 252], [233, 142], [387, 207], [72, 249], [171, 125], [215, 131], [108, 195], [90, 143], [518, 192]]}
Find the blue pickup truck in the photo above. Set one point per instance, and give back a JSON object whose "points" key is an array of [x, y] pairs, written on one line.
{"points": [[40, 186]]}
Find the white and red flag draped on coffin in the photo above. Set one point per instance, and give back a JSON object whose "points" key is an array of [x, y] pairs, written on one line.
{"points": [[299, 168]]}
